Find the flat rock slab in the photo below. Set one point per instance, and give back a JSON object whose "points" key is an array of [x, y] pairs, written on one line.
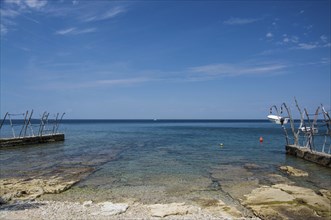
{"points": [[265, 195], [51, 183], [282, 201], [109, 208], [163, 210], [21, 189], [293, 171], [307, 196], [218, 206]]}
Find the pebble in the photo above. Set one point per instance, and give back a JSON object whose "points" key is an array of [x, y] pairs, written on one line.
{"points": [[87, 203]]}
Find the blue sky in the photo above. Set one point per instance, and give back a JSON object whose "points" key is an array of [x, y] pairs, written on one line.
{"points": [[164, 59]]}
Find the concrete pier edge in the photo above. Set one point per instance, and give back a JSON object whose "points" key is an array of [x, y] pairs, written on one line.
{"points": [[19, 141], [320, 158]]}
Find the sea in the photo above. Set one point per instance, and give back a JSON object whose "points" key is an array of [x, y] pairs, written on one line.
{"points": [[154, 161]]}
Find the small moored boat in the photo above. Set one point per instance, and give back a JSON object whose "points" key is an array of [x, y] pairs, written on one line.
{"points": [[278, 119]]}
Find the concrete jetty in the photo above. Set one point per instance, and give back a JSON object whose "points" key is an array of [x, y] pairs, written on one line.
{"points": [[309, 130], [19, 141], [22, 129], [321, 158]]}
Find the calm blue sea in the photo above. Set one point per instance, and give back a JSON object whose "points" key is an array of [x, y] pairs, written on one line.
{"points": [[137, 158]]}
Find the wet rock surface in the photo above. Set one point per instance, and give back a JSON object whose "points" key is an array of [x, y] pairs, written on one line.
{"points": [[282, 201], [218, 206], [249, 192], [13, 189], [235, 180], [271, 195], [293, 171]]}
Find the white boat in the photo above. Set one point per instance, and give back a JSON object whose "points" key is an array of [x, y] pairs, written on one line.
{"points": [[277, 119], [308, 130]]}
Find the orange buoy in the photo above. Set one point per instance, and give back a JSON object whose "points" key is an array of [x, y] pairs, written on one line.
{"points": [[261, 139]]}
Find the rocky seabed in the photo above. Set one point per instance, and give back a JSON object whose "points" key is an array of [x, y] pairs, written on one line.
{"points": [[281, 199]]}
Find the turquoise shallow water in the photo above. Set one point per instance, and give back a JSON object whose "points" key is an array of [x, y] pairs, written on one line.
{"points": [[162, 160]]}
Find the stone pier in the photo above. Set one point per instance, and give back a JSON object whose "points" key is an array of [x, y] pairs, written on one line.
{"points": [[18, 141], [323, 159]]}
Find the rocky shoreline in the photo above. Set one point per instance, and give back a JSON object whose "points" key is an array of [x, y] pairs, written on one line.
{"points": [[107, 210], [274, 196], [283, 201], [13, 189], [279, 199], [21, 199]]}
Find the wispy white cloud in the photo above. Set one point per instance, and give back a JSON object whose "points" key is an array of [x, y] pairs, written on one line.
{"points": [[128, 81], [36, 4], [15, 8], [75, 84], [7, 20], [8, 13], [106, 15], [240, 21], [104, 78], [82, 11], [308, 27], [33, 4], [232, 70], [290, 39], [295, 43], [270, 52], [326, 60], [324, 38], [3, 29], [269, 35], [322, 61], [14, 2], [65, 31], [75, 31], [307, 46], [84, 31], [310, 46], [75, 2]]}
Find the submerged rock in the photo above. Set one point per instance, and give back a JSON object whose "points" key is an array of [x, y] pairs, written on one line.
{"points": [[272, 179], [235, 180], [252, 166], [293, 171]]}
